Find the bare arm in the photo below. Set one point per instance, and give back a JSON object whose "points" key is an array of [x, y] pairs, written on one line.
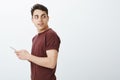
{"points": [[49, 61]]}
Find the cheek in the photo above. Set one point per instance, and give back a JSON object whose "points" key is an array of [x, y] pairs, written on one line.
{"points": [[46, 21], [34, 21]]}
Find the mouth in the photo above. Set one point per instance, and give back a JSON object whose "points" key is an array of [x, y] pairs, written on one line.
{"points": [[40, 24]]}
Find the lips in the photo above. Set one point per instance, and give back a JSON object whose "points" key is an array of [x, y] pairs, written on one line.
{"points": [[40, 24]]}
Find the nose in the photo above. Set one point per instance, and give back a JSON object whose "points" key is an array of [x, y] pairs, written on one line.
{"points": [[40, 19]]}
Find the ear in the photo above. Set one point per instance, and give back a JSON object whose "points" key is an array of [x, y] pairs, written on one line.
{"points": [[48, 18]]}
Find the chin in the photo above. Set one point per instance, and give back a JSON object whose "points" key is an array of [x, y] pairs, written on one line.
{"points": [[41, 28]]}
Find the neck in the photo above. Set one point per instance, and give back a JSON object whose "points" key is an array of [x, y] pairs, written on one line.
{"points": [[41, 31]]}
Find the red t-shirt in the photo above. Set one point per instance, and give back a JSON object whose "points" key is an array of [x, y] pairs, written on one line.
{"points": [[40, 43]]}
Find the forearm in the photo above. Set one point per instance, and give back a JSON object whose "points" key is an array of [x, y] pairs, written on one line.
{"points": [[42, 61], [49, 61]]}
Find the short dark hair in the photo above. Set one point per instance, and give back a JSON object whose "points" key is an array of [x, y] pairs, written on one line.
{"points": [[39, 7]]}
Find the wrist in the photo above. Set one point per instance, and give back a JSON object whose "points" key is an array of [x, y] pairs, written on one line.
{"points": [[28, 58]]}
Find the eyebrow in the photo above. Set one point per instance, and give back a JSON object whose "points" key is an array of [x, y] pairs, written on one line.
{"points": [[43, 14], [35, 15]]}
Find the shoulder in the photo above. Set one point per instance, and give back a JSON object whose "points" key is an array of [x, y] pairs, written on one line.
{"points": [[52, 35], [51, 32]]}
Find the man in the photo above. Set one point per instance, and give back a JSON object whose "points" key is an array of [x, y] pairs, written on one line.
{"points": [[45, 47]]}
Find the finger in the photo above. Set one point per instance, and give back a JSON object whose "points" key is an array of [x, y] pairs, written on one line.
{"points": [[17, 51]]}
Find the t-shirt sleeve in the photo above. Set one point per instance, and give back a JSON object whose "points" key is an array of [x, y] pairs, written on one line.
{"points": [[52, 41]]}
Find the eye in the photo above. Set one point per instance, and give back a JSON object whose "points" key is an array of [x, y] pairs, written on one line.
{"points": [[36, 17], [44, 16]]}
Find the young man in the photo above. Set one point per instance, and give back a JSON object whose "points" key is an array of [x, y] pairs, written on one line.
{"points": [[45, 47]]}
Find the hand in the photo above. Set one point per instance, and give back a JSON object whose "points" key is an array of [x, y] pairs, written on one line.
{"points": [[23, 54]]}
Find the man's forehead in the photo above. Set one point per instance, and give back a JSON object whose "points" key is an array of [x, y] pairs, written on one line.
{"points": [[39, 12]]}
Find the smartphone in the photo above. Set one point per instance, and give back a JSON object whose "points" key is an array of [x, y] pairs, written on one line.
{"points": [[13, 48]]}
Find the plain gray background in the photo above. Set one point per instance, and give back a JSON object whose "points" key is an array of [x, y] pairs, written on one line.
{"points": [[89, 31]]}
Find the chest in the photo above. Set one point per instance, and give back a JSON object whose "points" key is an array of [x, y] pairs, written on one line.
{"points": [[38, 46]]}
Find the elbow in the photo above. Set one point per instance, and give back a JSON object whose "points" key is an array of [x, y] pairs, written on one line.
{"points": [[52, 63], [52, 66]]}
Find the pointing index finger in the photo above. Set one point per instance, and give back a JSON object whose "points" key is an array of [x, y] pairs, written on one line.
{"points": [[13, 48]]}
